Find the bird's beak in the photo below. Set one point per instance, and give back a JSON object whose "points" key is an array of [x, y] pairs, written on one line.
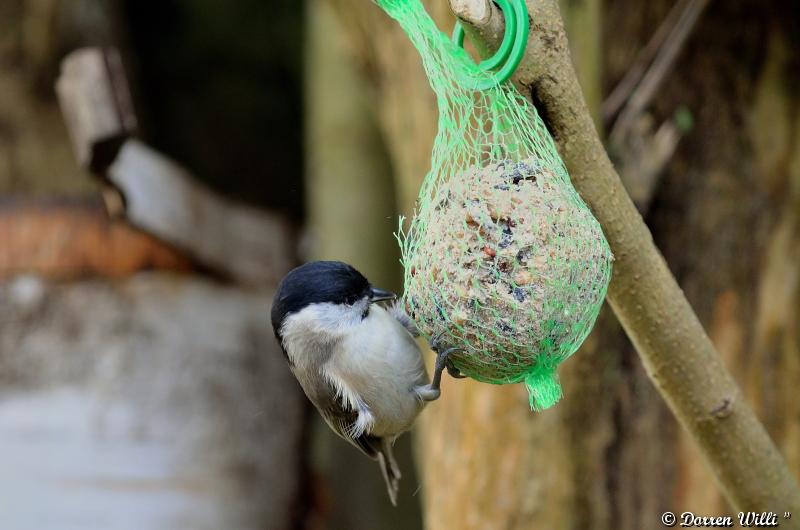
{"points": [[379, 295]]}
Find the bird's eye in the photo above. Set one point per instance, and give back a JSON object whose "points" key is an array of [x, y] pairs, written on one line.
{"points": [[352, 299]]}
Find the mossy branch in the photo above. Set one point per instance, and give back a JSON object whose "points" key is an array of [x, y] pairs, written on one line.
{"points": [[675, 350]]}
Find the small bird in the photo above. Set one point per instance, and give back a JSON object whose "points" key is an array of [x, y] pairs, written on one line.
{"points": [[357, 362]]}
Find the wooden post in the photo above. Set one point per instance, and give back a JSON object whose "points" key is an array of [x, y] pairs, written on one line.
{"points": [[96, 103]]}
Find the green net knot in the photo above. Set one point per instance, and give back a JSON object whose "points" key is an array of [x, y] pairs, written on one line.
{"points": [[544, 390]]}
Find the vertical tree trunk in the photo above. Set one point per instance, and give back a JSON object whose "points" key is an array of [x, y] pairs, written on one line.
{"points": [[610, 455], [352, 218]]}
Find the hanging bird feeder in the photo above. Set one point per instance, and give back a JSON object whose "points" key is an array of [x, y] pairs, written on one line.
{"points": [[503, 260]]}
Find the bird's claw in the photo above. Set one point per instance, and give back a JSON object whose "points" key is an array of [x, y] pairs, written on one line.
{"points": [[436, 342], [454, 372], [441, 350], [443, 362]]}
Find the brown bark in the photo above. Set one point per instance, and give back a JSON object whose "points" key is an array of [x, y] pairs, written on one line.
{"points": [[727, 209]]}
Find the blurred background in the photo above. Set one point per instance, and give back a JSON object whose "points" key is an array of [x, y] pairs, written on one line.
{"points": [[199, 150]]}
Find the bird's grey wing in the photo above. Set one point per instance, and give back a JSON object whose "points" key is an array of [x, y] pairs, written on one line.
{"points": [[343, 421], [376, 448], [339, 417], [399, 314], [380, 449]]}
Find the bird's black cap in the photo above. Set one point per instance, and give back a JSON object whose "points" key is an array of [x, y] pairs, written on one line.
{"points": [[314, 283]]}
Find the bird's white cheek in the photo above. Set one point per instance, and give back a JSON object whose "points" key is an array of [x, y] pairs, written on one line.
{"points": [[320, 320], [309, 334]]}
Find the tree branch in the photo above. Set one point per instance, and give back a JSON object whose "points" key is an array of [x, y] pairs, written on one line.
{"points": [[675, 350], [646, 154]]}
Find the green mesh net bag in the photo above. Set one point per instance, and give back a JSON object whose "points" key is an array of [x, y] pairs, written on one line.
{"points": [[503, 260]]}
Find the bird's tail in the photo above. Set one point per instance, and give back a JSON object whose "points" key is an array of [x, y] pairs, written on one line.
{"points": [[389, 468]]}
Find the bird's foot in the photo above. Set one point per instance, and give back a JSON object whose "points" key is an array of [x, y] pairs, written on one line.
{"points": [[433, 391], [438, 346]]}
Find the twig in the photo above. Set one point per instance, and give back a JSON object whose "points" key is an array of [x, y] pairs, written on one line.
{"points": [[662, 64], [645, 156], [640, 152], [675, 350], [621, 93]]}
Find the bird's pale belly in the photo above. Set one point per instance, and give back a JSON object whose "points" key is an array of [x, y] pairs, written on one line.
{"points": [[385, 369], [396, 418]]}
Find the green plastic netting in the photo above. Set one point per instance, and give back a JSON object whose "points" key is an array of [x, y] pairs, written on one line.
{"points": [[502, 258]]}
